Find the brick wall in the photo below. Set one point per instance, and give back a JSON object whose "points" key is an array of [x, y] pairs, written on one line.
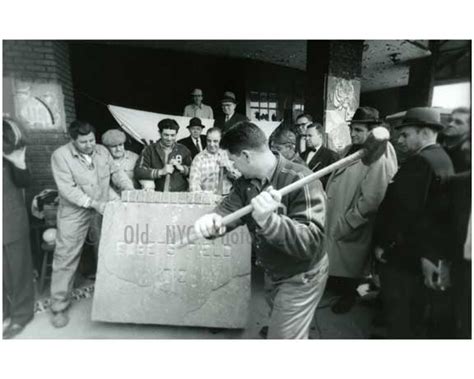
{"points": [[41, 62]]}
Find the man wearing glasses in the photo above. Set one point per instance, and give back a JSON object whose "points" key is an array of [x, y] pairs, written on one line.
{"points": [[301, 123], [197, 108], [283, 140]]}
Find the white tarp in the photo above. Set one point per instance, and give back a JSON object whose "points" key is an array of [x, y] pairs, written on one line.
{"points": [[143, 125]]}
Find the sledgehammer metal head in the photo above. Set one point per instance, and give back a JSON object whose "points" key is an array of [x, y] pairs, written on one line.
{"points": [[375, 145]]}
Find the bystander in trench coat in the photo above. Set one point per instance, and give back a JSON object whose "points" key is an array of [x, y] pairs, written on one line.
{"points": [[354, 194]]}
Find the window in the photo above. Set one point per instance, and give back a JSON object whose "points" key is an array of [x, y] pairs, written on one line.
{"points": [[263, 106], [298, 105], [298, 108], [452, 95]]}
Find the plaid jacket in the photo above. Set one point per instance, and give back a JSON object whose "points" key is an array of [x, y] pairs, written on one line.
{"points": [[205, 168], [292, 240]]}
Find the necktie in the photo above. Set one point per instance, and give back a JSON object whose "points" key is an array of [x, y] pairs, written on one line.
{"points": [[198, 144], [226, 118]]}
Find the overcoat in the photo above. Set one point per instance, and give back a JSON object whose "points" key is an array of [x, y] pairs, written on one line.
{"points": [[354, 194]]}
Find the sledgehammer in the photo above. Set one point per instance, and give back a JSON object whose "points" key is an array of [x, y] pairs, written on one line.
{"points": [[372, 150]]}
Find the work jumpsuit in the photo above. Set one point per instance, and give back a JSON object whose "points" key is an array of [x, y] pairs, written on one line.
{"points": [[79, 182]]}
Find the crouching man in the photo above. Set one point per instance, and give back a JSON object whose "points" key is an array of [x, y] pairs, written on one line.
{"points": [[287, 233]]}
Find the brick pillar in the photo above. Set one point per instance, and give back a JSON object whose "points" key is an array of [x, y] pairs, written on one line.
{"points": [[333, 89], [37, 89]]}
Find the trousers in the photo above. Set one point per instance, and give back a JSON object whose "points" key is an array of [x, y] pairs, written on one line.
{"points": [[18, 288], [404, 300], [74, 224], [293, 301]]}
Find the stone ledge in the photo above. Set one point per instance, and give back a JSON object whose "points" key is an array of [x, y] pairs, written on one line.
{"points": [[141, 196]]}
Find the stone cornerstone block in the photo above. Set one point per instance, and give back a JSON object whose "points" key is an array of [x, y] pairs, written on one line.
{"points": [[142, 279]]}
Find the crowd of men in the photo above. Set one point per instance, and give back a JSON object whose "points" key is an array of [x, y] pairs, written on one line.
{"points": [[411, 218]]}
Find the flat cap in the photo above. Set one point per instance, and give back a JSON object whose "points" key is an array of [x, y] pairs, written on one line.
{"points": [[113, 137]]}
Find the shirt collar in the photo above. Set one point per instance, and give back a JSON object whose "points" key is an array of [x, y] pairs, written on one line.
{"points": [[163, 147], [424, 147], [76, 153]]}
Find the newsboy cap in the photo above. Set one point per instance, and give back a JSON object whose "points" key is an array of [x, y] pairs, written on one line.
{"points": [[422, 117], [113, 137]]}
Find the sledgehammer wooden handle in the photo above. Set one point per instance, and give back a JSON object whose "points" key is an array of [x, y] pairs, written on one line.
{"points": [[229, 219]]}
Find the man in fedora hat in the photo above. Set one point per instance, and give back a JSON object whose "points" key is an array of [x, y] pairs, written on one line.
{"points": [[196, 142], [197, 108], [229, 116], [354, 195], [412, 232]]}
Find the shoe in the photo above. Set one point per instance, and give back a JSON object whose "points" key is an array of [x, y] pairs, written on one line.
{"points": [[263, 332], [60, 319], [12, 331], [344, 304]]}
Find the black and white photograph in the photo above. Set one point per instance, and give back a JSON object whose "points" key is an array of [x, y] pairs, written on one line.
{"points": [[256, 188]]}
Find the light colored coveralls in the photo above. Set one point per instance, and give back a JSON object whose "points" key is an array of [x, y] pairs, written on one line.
{"points": [[78, 184]]}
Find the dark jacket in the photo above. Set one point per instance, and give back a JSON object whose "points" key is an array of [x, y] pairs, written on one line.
{"points": [[323, 157], [459, 187], [189, 143], [292, 240], [152, 159], [220, 123], [15, 217], [414, 217]]}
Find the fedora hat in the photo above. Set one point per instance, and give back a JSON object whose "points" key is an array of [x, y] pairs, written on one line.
{"points": [[196, 92], [229, 97], [366, 115], [195, 121], [422, 117]]}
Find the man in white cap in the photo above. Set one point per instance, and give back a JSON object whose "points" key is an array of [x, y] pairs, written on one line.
{"points": [[229, 116], [197, 108], [114, 141]]}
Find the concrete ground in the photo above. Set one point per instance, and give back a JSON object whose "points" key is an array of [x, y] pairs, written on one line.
{"points": [[356, 324]]}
